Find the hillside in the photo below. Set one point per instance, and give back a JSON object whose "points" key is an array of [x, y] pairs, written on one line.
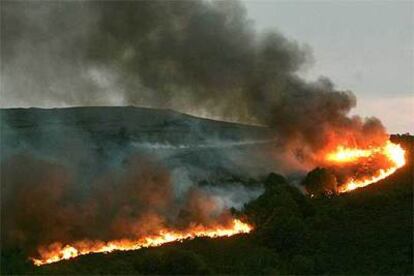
{"points": [[109, 134], [142, 124], [367, 231]]}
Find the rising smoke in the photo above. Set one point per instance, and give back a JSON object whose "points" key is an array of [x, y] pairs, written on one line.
{"points": [[192, 56]]}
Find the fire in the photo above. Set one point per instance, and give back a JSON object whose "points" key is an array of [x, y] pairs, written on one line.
{"points": [[57, 252], [343, 154], [393, 153]]}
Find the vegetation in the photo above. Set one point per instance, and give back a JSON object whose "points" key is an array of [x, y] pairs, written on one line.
{"points": [[320, 181]]}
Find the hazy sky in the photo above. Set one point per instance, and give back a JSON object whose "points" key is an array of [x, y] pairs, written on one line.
{"points": [[364, 46]]}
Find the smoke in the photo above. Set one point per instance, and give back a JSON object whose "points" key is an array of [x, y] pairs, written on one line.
{"points": [[192, 56], [42, 203], [67, 176]]}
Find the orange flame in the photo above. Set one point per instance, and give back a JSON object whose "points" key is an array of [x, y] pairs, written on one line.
{"points": [[343, 154], [394, 153], [57, 252]]}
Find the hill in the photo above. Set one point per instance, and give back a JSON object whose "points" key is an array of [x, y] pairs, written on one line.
{"points": [[142, 124], [108, 134], [367, 231]]}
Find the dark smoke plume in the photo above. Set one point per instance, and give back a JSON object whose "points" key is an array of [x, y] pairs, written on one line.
{"points": [[201, 57]]}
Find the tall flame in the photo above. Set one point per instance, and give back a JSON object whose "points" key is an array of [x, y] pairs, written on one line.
{"points": [[394, 153], [57, 251]]}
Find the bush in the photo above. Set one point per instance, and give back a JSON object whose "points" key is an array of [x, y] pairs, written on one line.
{"points": [[320, 181]]}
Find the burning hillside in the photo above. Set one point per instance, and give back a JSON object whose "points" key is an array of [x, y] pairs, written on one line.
{"points": [[136, 201], [367, 166], [350, 168], [390, 158], [82, 180]]}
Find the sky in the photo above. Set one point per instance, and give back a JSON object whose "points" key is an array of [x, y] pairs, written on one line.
{"points": [[364, 46]]}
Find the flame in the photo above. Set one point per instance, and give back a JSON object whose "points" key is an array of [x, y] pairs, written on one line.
{"points": [[343, 154], [394, 153], [57, 252]]}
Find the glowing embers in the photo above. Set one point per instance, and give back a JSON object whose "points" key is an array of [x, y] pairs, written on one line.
{"points": [[57, 251], [377, 163]]}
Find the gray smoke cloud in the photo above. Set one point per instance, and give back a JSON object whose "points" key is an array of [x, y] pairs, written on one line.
{"points": [[200, 57]]}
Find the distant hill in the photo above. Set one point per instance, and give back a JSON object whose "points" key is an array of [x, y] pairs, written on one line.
{"points": [[151, 125], [109, 134]]}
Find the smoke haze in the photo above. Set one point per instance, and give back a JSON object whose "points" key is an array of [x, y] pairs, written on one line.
{"points": [[67, 176]]}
